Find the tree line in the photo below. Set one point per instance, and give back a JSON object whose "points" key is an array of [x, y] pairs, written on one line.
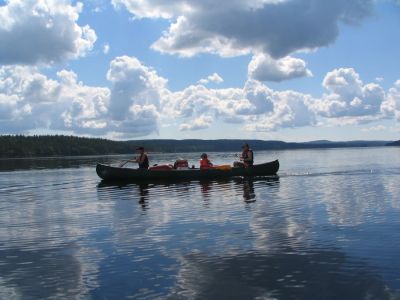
{"points": [[12, 146], [59, 145]]}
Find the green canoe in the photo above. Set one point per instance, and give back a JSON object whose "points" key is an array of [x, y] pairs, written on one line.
{"points": [[109, 173]]}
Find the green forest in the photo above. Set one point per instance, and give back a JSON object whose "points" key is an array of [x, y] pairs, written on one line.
{"points": [[58, 145], [14, 146]]}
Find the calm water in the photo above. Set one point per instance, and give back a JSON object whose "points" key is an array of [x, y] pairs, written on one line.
{"points": [[327, 228]]}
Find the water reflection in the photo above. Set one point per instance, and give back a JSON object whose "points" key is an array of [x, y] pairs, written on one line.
{"points": [[316, 274], [144, 194], [54, 162], [39, 274], [334, 234], [248, 191], [208, 188]]}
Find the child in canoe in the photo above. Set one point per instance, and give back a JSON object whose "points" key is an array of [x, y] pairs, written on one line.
{"points": [[206, 164]]}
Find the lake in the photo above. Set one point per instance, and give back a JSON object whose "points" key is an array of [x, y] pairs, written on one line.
{"points": [[327, 228]]}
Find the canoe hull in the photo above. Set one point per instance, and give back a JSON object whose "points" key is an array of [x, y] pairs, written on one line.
{"points": [[109, 173]]}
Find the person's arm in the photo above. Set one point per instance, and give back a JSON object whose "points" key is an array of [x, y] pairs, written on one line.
{"points": [[241, 157], [127, 161]]}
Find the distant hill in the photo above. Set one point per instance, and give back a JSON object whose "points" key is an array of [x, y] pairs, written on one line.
{"points": [[397, 143], [61, 145]]}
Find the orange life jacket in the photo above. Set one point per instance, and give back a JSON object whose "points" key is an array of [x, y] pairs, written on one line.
{"points": [[205, 164]]}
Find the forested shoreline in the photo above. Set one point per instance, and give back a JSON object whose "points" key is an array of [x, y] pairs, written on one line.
{"points": [[396, 143], [15, 146]]}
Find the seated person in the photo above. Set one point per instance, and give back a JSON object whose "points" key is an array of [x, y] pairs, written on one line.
{"points": [[205, 163], [142, 160], [247, 158]]}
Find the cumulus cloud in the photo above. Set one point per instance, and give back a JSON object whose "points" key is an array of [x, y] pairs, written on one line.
{"points": [[30, 100], [230, 104], [259, 96], [201, 122], [348, 95], [347, 101], [139, 101], [391, 105], [136, 96], [261, 108], [42, 32], [236, 27], [23, 93], [292, 110], [263, 67], [82, 109], [212, 78]]}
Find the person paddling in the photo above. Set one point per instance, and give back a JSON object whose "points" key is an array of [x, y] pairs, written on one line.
{"points": [[247, 157], [142, 160]]}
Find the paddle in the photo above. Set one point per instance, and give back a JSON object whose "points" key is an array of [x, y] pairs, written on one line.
{"points": [[238, 156], [125, 162]]}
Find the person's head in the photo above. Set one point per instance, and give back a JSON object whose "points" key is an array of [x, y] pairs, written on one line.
{"points": [[140, 149], [245, 146], [204, 156]]}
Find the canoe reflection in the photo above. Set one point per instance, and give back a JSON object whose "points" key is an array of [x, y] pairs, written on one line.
{"points": [[247, 185], [144, 195], [209, 189]]}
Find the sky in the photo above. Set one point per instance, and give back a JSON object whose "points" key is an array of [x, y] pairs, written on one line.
{"points": [[292, 70]]}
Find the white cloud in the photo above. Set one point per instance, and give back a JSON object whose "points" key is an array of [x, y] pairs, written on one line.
{"points": [[136, 96], [42, 32], [291, 109], [141, 120], [375, 128], [24, 93], [259, 96], [264, 68], [212, 78], [349, 96], [106, 48], [391, 105], [232, 28], [260, 107], [139, 103], [201, 122], [30, 100], [83, 109]]}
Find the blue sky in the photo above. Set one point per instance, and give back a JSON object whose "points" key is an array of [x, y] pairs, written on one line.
{"points": [[294, 70]]}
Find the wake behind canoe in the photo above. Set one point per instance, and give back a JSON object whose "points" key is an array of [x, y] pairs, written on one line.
{"points": [[109, 173]]}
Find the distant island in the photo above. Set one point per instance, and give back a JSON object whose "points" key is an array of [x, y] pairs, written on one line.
{"points": [[16, 146]]}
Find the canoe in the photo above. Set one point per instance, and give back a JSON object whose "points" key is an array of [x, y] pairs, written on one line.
{"points": [[109, 173]]}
